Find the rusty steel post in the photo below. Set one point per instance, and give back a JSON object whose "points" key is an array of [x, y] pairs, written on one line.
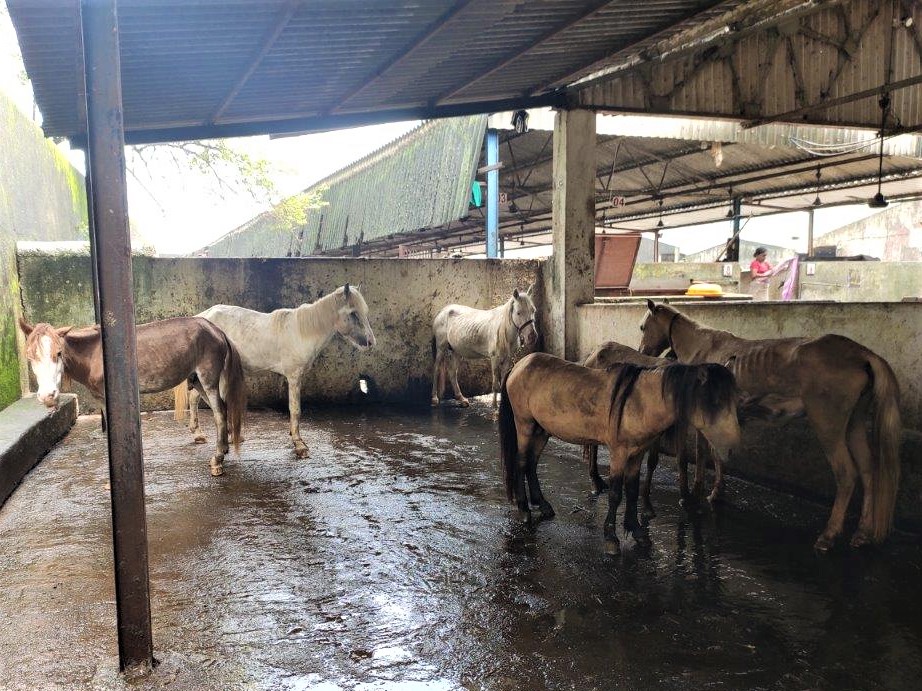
{"points": [[106, 149]]}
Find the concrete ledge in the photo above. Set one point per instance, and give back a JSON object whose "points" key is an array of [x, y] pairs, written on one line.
{"points": [[27, 433]]}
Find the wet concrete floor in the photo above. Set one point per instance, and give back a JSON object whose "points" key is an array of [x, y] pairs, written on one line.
{"points": [[390, 560]]}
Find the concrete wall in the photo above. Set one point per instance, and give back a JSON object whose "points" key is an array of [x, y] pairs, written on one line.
{"points": [[840, 281], [41, 198], [403, 297], [894, 234], [788, 455]]}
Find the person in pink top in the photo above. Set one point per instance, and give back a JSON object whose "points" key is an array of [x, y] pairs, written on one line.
{"points": [[759, 267]]}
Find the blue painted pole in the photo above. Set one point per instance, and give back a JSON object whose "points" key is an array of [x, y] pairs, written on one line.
{"points": [[492, 194]]}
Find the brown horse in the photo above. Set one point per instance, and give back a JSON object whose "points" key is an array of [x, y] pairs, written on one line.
{"points": [[611, 354], [833, 380], [625, 408], [169, 352]]}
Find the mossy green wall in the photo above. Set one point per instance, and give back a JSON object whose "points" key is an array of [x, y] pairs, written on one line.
{"points": [[42, 197]]}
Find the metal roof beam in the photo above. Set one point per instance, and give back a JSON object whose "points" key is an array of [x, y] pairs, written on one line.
{"points": [[431, 31], [269, 38], [519, 52]]}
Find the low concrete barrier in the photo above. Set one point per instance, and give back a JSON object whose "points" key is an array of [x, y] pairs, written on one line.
{"points": [[27, 432]]}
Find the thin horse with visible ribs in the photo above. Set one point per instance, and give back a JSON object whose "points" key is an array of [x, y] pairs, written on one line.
{"points": [[285, 341], [836, 382], [625, 408], [611, 354], [465, 332], [168, 351]]}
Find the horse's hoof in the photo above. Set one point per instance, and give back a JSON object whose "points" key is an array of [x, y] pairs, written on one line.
{"points": [[199, 439], [612, 548], [547, 512], [217, 470], [861, 539], [823, 544], [641, 537], [434, 402], [525, 517], [301, 451], [463, 402]]}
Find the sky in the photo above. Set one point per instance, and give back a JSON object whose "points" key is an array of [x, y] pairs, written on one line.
{"points": [[178, 214]]}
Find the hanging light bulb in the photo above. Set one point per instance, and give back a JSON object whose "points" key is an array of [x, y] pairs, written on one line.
{"points": [[817, 201], [879, 201]]}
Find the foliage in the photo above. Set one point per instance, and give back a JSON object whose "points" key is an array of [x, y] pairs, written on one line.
{"points": [[231, 170], [291, 213]]}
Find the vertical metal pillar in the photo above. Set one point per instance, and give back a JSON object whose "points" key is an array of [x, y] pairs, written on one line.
{"points": [[492, 193], [106, 152], [809, 232]]}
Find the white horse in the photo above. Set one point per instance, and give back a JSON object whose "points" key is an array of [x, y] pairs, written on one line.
{"points": [[465, 332], [286, 341]]}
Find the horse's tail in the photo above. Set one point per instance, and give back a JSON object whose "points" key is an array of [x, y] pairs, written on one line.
{"points": [[234, 393], [508, 440], [885, 437], [180, 400]]}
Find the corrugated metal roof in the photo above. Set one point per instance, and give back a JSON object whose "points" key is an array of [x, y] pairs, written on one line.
{"points": [[213, 68], [644, 171], [421, 180]]}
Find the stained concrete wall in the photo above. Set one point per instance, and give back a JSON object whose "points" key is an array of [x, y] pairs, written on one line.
{"points": [[41, 198], [840, 281], [403, 297], [788, 455]]}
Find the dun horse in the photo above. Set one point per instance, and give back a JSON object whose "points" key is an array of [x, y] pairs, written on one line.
{"points": [[168, 351], [286, 341], [466, 332], [611, 354], [625, 408], [834, 381]]}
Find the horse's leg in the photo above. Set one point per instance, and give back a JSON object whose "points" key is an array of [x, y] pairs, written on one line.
{"points": [[524, 432], [219, 410], [830, 423], [615, 485], [538, 442], [495, 370], [718, 476], [294, 413], [591, 454], [198, 435], [700, 467], [860, 448], [438, 377], [652, 461], [632, 487], [454, 362]]}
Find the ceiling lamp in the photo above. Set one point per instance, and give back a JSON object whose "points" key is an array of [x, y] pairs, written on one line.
{"points": [[816, 200], [879, 201]]}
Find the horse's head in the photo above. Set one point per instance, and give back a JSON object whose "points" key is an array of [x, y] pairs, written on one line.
{"points": [[46, 352], [523, 316], [655, 328], [352, 318]]}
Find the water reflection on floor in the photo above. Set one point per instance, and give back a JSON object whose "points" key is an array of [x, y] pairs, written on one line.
{"points": [[390, 560]]}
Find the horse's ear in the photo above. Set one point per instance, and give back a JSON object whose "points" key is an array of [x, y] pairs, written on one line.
{"points": [[515, 293], [651, 306], [346, 290], [26, 327], [530, 290], [63, 331]]}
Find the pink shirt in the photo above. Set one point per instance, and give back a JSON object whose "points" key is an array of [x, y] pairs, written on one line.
{"points": [[758, 268]]}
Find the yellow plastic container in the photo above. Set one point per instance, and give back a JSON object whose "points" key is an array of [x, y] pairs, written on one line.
{"points": [[707, 290]]}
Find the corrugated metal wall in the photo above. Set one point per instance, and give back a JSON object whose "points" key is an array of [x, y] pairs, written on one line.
{"points": [[421, 180]]}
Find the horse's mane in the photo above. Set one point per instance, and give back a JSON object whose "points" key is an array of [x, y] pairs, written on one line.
{"points": [[624, 386], [316, 318], [707, 388], [503, 343]]}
